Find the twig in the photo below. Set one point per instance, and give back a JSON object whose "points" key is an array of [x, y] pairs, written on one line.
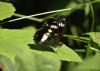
{"points": [[39, 14]]}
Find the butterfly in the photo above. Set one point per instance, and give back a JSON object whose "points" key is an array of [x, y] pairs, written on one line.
{"points": [[52, 29]]}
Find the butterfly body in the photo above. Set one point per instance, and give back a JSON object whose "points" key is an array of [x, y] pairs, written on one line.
{"points": [[52, 29]]}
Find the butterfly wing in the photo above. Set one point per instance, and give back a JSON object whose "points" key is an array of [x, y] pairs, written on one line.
{"points": [[45, 32], [52, 29], [61, 23]]}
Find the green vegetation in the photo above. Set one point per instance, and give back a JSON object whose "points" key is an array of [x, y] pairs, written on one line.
{"points": [[80, 49]]}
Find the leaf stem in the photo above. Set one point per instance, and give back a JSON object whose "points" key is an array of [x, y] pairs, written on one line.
{"points": [[92, 11], [88, 52], [31, 18], [83, 39], [94, 49], [80, 50], [49, 12], [24, 17]]}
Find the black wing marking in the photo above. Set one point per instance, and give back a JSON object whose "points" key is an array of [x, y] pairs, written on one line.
{"points": [[50, 22], [52, 28], [39, 34], [59, 33], [61, 23], [44, 32]]}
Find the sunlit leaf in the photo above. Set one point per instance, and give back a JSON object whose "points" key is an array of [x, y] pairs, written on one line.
{"points": [[95, 37], [90, 64], [6, 10], [62, 53], [6, 64], [14, 46], [67, 54]]}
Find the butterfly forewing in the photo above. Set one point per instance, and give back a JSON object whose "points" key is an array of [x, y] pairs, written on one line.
{"points": [[39, 34], [44, 32]]}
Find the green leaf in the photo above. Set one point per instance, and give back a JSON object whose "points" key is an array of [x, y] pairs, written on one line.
{"points": [[37, 63], [61, 53], [14, 44], [47, 64], [95, 37], [13, 41], [46, 54], [6, 10], [6, 64], [90, 64], [67, 54]]}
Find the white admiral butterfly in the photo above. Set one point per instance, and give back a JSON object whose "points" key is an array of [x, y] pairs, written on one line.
{"points": [[52, 29]]}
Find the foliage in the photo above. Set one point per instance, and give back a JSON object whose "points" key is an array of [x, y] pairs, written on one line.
{"points": [[18, 52], [15, 47], [95, 37], [6, 10], [90, 64]]}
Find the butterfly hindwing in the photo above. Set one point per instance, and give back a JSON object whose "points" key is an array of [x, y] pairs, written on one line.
{"points": [[59, 33]]}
